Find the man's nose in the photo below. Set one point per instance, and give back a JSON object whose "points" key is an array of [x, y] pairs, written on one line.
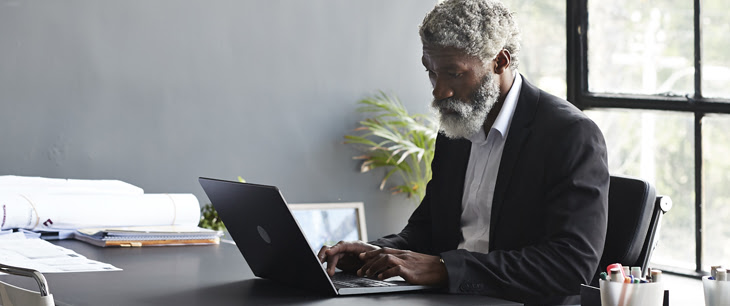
{"points": [[442, 91]]}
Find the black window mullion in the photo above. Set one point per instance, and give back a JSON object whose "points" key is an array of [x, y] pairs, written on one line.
{"points": [[647, 102], [698, 135], [577, 50], [698, 50], [698, 190]]}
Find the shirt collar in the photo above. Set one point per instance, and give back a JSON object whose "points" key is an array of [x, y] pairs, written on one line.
{"points": [[504, 118]]}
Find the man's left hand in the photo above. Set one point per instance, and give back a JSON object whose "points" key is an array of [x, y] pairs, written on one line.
{"points": [[415, 268]]}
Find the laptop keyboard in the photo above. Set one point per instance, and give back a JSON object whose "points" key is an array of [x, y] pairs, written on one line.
{"points": [[353, 281]]}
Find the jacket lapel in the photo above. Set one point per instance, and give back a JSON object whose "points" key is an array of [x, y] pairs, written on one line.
{"points": [[518, 132], [451, 214]]}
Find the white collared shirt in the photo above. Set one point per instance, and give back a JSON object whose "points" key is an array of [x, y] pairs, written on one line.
{"points": [[481, 174]]}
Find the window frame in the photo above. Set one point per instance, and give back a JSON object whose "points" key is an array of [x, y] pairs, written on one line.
{"points": [[577, 27]]}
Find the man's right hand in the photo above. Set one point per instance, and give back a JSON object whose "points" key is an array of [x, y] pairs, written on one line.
{"points": [[344, 255]]}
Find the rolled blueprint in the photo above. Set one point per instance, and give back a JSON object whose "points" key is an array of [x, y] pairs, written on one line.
{"points": [[39, 211]]}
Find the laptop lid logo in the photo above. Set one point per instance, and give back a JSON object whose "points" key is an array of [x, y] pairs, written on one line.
{"points": [[264, 235]]}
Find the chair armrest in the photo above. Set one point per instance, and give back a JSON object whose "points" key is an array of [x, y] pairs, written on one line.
{"points": [[37, 276]]}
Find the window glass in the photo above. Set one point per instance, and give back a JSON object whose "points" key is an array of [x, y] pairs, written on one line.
{"points": [[542, 58], [641, 47], [657, 147], [716, 194], [715, 46]]}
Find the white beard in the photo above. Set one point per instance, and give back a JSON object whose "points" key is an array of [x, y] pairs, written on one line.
{"points": [[467, 118]]}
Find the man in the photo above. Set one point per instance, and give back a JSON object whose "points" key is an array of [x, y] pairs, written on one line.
{"points": [[517, 207]]}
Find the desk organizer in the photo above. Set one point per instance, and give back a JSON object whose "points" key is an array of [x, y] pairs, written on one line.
{"points": [[622, 294], [717, 293]]}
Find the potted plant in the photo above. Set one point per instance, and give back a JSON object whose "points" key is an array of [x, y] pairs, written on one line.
{"points": [[403, 144]]}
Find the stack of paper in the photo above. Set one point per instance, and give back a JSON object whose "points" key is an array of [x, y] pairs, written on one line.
{"points": [[45, 257], [148, 236]]}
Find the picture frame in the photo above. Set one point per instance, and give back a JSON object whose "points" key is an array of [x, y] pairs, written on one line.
{"points": [[328, 223]]}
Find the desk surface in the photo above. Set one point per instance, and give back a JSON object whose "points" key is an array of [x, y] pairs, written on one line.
{"points": [[200, 275]]}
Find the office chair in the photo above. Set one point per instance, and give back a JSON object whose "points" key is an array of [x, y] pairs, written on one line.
{"points": [[634, 218], [11, 295]]}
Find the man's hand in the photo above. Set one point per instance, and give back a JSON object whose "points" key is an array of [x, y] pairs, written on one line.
{"points": [[415, 268], [344, 255]]}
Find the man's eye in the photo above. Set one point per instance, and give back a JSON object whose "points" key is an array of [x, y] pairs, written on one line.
{"points": [[456, 75]]}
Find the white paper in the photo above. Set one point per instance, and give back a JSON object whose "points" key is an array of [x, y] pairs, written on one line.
{"points": [[46, 257], [71, 211], [24, 184], [12, 236]]}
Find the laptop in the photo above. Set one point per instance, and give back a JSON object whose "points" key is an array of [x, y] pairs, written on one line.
{"points": [[274, 246]]}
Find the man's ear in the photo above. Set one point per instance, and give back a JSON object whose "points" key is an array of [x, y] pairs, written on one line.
{"points": [[502, 61]]}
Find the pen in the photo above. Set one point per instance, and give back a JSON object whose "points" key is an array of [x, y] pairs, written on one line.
{"points": [[636, 272], [721, 275], [648, 274], [617, 275], [616, 266], [713, 271], [656, 276]]}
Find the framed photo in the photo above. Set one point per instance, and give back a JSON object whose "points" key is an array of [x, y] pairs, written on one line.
{"points": [[329, 223]]}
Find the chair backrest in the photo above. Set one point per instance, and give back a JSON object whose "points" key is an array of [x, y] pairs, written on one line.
{"points": [[634, 216]]}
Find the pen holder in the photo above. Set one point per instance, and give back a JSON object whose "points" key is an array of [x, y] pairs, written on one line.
{"points": [[622, 294], [717, 293]]}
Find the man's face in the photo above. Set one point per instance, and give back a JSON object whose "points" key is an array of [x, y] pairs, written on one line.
{"points": [[464, 90]]}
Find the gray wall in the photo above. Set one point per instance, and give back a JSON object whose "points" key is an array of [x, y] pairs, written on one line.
{"points": [[157, 93]]}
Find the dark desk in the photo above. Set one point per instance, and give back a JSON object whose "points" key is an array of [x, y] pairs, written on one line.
{"points": [[200, 275]]}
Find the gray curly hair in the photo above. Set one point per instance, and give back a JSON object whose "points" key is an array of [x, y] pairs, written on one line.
{"points": [[480, 27]]}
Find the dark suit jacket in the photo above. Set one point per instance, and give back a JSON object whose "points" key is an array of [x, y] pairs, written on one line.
{"points": [[549, 213]]}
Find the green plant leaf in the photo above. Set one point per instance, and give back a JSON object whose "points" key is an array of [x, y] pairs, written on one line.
{"points": [[209, 218], [397, 141]]}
